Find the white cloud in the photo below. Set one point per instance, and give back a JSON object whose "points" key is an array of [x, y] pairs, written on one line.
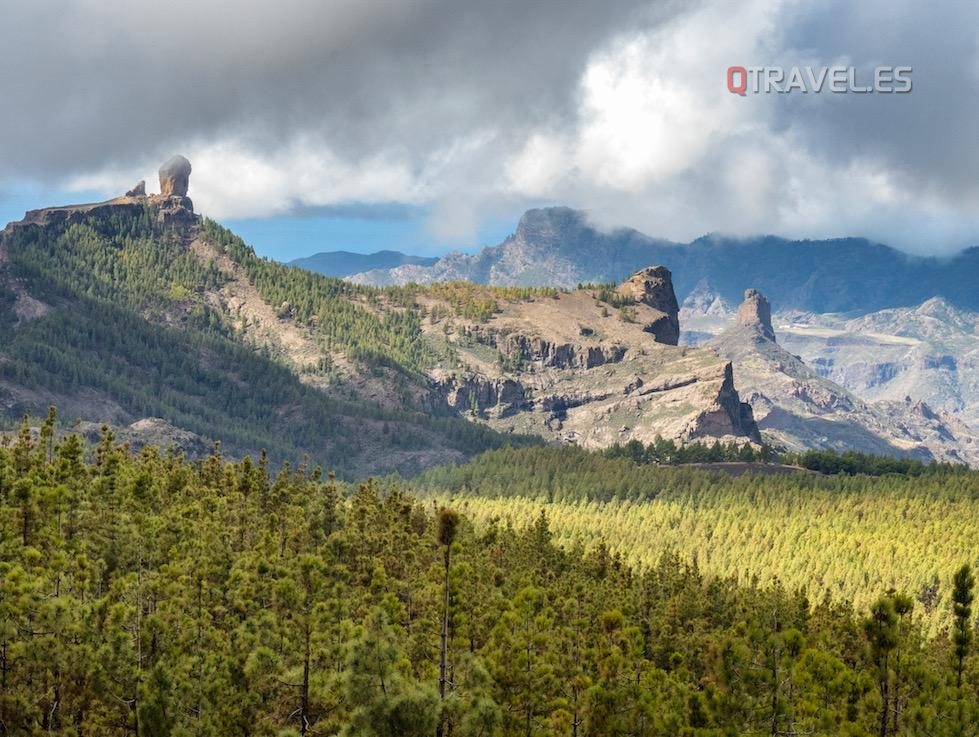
{"points": [[660, 144], [232, 180], [644, 133]]}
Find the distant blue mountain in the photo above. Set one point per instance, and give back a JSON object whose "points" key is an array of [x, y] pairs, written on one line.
{"points": [[345, 263], [558, 247]]}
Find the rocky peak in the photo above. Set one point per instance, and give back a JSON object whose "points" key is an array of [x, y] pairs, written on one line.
{"points": [[549, 228], [175, 177], [173, 207], [653, 287], [176, 208], [756, 312]]}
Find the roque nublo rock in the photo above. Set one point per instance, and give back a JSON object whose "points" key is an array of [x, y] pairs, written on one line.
{"points": [[175, 177]]}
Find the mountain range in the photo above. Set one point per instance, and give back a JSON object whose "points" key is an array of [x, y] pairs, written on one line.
{"points": [[799, 408], [879, 324], [928, 352], [139, 313], [559, 247]]}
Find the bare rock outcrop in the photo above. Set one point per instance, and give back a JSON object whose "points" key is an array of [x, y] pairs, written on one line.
{"points": [[756, 312], [176, 208], [473, 393], [175, 177], [568, 369], [653, 287], [542, 353]]}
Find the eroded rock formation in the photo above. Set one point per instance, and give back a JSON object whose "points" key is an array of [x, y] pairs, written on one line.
{"points": [[573, 370], [176, 208], [756, 312], [175, 177], [653, 287]]}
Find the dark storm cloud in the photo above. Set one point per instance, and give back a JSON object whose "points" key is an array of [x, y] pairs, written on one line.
{"points": [[93, 84], [464, 109], [927, 138]]}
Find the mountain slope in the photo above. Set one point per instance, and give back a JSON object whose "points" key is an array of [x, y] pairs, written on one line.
{"points": [[111, 313], [138, 312], [593, 366], [800, 409], [550, 247], [346, 263], [929, 352], [557, 247]]}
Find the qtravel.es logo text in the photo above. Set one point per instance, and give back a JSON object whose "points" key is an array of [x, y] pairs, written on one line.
{"points": [[835, 79]]}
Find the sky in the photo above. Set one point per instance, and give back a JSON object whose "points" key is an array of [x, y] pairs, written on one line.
{"points": [[430, 125]]}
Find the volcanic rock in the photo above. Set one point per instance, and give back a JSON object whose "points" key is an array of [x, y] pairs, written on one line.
{"points": [[139, 190], [756, 312], [175, 177], [653, 287]]}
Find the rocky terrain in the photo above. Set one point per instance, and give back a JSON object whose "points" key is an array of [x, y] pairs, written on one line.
{"points": [[928, 353], [550, 247], [575, 368], [138, 312], [122, 312], [798, 408]]}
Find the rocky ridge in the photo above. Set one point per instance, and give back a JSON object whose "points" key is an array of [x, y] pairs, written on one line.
{"points": [[560, 247], [567, 368], [798, 408], [173, 207], [590, 366], [653, 287]]}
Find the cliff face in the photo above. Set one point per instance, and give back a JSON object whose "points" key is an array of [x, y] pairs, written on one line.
{"points": [[575, 369], [176, 211], [653, 287]]}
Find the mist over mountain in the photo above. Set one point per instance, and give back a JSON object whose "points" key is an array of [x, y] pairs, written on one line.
{"points": [[559, 247]]}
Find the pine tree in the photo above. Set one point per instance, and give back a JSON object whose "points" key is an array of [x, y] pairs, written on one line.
{"points": [[448, 523], [881, 629], [962, 585], [386, 703]]}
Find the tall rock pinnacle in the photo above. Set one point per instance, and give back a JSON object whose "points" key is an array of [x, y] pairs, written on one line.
{"points": [[175, 177], [756, 312]]}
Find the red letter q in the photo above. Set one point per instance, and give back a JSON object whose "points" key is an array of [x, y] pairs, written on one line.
{"points": [[738, 88]]}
